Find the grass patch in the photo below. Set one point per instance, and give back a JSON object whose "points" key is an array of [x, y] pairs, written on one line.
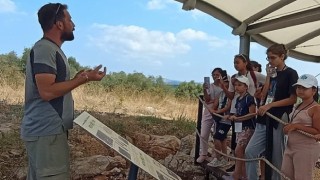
{"points": [[12, 155], [180, 127]]}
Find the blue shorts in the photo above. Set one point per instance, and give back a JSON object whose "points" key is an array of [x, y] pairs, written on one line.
{"points": [[222, 131]]}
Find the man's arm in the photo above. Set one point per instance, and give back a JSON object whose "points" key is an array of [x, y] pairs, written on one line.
{"points": [[49, 89]]}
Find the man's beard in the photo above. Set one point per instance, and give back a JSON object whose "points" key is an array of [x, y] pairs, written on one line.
{"points": [[67, 36]]}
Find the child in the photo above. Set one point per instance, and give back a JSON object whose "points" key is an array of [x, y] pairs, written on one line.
{"points": [[243, 66], [280, 97], [210, 92], [244, 125], [222, 126], [302, 152]]}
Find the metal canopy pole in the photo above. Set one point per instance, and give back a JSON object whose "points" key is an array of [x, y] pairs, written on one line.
{"points": [[245, 49], [244, 45]]}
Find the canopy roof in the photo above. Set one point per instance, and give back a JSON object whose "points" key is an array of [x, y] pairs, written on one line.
{"points": [[295, 23]]}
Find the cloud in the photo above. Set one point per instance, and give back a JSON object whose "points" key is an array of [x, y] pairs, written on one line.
{"points": [[212, 41], [158, 4], [197, 14], [136, 42], [7, 6], [190, 34]]}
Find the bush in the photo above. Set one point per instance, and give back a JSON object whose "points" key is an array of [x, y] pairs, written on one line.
{"points": [[188, 89]]}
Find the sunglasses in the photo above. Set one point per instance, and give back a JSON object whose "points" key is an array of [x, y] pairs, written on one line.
{"points": [[56, 14]]}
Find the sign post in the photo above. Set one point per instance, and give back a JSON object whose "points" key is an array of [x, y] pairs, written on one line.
{"points": [[138, 158]]}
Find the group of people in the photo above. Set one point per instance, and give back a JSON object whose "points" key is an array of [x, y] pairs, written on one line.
{"points": [[241, 102]]}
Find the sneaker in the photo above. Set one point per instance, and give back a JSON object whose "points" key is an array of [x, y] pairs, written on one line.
{"points": [[230, 169], [212, 162], [201, 158], [219, 163], [223, 163]]}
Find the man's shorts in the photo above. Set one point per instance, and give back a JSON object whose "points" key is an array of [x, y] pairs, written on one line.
{"points": [[48, 157], [222, 131]]}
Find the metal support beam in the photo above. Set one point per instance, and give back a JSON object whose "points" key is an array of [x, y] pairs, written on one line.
{"points": [[285, 21], [244, 45], [241, 30], [214, 12], [294, 54], [272, 8], [189, 5], [303, 39]]}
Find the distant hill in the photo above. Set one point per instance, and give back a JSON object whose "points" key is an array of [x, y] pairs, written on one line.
{"points": [[171, 82]]}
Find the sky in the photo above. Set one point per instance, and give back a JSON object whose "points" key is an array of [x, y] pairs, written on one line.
{"points": [[153, 37]]}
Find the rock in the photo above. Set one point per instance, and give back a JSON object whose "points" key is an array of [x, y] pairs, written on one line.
{"points": [[90, 166], [158, 147], [117, 161], [78, 154], [187, 144], [100, 177], [5, 129], [96, 165], [16, 152], [21, 173], [113, 172]]}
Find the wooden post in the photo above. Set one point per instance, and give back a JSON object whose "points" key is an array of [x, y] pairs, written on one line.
{"points": [[197, 148]]}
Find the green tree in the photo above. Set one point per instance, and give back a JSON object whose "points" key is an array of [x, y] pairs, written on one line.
{"points": [[74, 66], [187, 89], [24, 58]]}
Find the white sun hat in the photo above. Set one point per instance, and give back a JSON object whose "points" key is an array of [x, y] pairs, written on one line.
{"points": [[307, 81], [243, 79]]}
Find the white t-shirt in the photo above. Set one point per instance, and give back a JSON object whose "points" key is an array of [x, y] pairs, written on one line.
{"points": [[251, 90], [214, 91]]}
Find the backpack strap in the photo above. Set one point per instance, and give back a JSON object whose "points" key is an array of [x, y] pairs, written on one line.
{"points": [[254, 78]]}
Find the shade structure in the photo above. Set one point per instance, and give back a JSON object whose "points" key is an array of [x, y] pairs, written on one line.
{"points": [[295, 23]]}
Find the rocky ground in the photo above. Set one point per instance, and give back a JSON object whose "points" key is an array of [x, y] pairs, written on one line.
{"points": [[93, 160]]}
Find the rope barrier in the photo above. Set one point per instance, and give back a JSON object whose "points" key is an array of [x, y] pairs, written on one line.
{"points": [[254, 114], [242, 159], [245, 160], [284, 123]]}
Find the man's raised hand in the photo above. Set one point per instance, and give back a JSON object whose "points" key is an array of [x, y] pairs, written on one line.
{"points": [[95, 74]]}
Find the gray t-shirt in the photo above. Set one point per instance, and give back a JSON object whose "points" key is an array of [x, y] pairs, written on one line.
{"points": [[42, 118]]}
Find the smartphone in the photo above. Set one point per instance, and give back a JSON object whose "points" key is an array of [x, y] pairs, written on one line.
{"points": [[207, 80]]}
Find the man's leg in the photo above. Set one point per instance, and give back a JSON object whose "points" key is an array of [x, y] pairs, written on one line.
{"points": [[49, 158]]}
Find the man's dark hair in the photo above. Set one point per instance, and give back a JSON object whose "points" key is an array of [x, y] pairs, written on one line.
{"points": [[49, 14]]}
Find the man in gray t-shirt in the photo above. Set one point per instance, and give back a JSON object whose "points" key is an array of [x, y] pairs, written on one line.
{"points": [[48, 112]]}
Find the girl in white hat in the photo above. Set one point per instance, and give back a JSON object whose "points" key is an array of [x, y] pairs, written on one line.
{"points": [[302, 152]]}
